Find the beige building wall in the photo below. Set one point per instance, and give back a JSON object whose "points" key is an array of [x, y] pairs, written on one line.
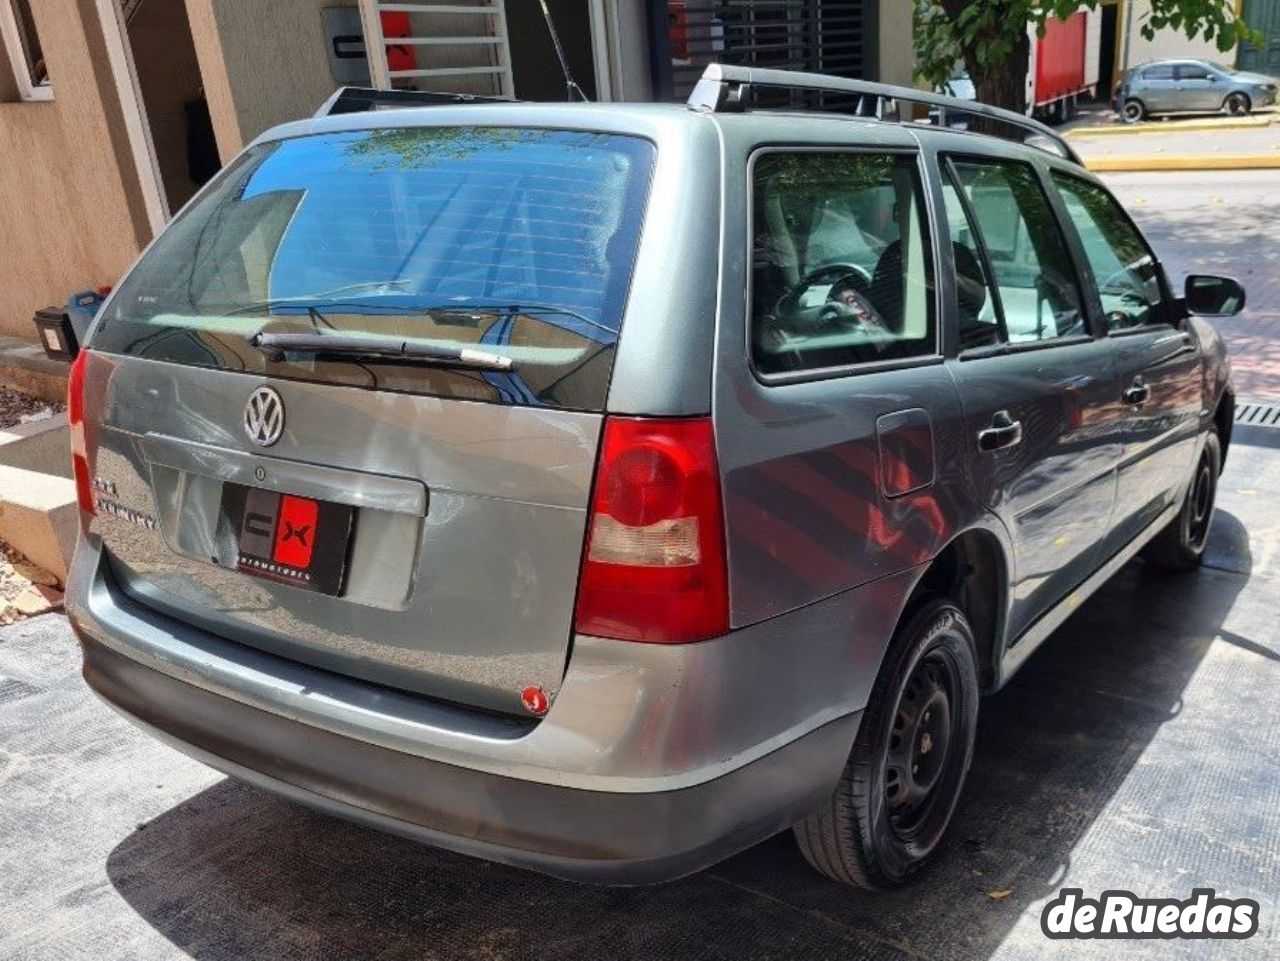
{"points": [[1167, 43], [262, 63], [71, 213], [897, 55]]}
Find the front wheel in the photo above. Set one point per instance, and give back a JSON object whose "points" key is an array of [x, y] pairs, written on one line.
{"points": [[1237, 105], [1180, 546], [903, 777]]}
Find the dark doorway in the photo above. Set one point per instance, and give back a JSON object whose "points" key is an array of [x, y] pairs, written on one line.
{"points": [[533, 56], [164, 60], [1107, 51]]}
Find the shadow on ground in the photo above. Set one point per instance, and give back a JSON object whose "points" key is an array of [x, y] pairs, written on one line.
{"points": [[235, 873]]}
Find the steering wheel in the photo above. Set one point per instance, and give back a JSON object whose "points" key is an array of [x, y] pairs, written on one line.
{"points": [[838, 276]]}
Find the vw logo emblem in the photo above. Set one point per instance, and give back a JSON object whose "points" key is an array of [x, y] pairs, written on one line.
{"points": [[264, 417]]}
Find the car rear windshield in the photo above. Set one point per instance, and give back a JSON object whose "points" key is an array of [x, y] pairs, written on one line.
{"points": [[512, 242]]}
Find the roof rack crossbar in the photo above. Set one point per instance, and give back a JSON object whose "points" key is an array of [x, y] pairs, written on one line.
{"points": [[726, 88], [362, 99]]}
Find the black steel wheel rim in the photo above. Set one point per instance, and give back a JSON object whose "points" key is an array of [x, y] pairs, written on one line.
{"points": [[923, 742], [1200, 508]]}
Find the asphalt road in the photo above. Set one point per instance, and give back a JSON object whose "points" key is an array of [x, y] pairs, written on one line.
{"points": [[1140, 749]]}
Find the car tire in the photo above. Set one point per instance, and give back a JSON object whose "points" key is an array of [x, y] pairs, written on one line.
{"points": [[1237, 104], [1180, 546], [1133, 110], [886, 819]]}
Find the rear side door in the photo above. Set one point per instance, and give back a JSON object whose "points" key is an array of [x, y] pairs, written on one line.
{"points": [[1036, 386], [1156, 358], [1198, 87]]}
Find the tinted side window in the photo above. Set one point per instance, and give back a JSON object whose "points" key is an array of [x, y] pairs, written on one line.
{"points": [[841, 269], [1192, 71], [1124, 269], [1038, 294], [1162, 72]]}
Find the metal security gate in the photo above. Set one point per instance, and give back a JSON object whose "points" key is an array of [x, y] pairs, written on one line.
{"points": [[457, 47], [1263, 16], [825, 36]]}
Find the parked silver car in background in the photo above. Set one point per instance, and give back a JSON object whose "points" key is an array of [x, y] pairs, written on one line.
{"points": [[1190, 86], [605, 488]]}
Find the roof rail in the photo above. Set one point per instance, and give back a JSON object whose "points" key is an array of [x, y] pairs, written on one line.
{"points": [[725, 88], [362, 99]]}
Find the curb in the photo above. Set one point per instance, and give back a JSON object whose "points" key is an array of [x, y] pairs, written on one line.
{"points": [[1173, 127], [24, 367], [1184, 162], [39, 517]]}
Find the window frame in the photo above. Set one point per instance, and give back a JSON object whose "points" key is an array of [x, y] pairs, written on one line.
{"points": [[1069, 241], [929, 226], [16, 51], [1168, 306]]}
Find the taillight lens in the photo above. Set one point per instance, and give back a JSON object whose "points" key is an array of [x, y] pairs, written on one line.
{"points": [[654, 568], [75, 419]]}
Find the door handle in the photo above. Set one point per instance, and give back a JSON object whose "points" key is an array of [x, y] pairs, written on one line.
{"points": [[1003, 432], [1137, 394]]}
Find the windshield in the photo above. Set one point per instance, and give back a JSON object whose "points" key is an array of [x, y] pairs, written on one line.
{"points": [[517, 241]]}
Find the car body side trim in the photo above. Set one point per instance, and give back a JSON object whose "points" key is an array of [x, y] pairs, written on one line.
{"points": [[1025, 645]]}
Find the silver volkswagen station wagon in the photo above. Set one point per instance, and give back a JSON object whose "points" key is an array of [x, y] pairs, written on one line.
{"points": [[602, 489]]}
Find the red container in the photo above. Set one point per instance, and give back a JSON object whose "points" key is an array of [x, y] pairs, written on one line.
{"points": [[1060, 59]]}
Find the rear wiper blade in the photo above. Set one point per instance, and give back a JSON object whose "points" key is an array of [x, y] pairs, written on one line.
{"points": [[276, 345]]}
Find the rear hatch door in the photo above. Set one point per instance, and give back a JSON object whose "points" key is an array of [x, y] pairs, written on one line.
{"points": [[415, 520]]}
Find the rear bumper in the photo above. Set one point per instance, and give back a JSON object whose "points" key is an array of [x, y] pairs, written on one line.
{"points": [[621, 838], [645, 795]]}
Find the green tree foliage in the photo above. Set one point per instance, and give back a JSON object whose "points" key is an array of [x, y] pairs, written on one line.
{"points": [[989, 37]]}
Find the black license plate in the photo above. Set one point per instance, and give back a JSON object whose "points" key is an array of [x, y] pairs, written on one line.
{"points": [[291, 539]]}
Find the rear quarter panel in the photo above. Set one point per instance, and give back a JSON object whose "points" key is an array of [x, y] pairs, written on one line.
{"points": [[808, 509]]}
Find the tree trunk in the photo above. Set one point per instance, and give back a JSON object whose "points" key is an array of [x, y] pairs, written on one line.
{"points": [[1002, 84]]}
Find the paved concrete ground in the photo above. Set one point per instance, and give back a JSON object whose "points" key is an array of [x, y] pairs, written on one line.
{"points": [[1225, 223]]}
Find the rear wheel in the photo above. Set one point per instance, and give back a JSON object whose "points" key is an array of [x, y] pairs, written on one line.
{"points": [[904, 775], [1237, 104], [1132, 111], [1180, 546]]}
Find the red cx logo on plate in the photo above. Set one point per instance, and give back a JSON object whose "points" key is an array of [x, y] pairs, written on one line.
{"points": [[295, 531]]}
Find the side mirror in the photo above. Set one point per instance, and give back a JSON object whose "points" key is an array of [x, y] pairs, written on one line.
{"points": [[1214, 296]]}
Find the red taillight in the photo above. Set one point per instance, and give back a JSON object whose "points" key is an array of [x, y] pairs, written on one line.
{"points": [[75, 419], [654, 568]]}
